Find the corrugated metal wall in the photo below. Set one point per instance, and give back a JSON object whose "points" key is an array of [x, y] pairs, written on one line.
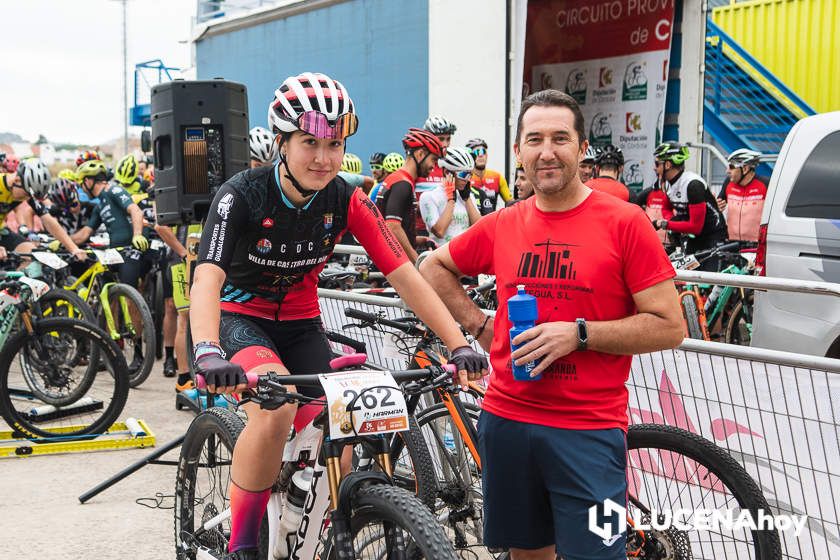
{"points": [[797, 40], [377, 48]]}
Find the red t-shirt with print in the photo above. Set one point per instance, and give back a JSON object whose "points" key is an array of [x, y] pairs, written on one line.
{"points": [[585, 262]]}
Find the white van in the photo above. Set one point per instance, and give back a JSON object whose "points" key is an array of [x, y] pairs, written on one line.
{"points": [[800, 239]]}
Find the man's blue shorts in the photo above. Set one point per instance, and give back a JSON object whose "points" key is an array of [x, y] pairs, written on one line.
{"points": [[540, 482]]}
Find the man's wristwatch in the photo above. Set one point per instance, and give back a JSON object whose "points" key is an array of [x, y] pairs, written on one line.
{"points": [[582, 334]]}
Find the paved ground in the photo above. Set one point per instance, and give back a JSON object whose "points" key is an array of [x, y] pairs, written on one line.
{"points": [[40, 514]]}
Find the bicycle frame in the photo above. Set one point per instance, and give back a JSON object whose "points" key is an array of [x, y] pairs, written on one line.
{"points": [[90, 279], [725, 294]]}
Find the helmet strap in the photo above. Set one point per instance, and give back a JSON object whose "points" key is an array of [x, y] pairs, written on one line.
{"points": [[303, 191], [744, 175], [417, 163]]}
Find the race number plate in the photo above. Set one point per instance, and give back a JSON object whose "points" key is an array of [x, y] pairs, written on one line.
{"points": [[690, 263], [358, 260], [50, 259], [364, 402], [109, 256]]}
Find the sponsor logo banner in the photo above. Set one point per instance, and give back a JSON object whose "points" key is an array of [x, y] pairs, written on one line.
{"points": [[612, 57]]}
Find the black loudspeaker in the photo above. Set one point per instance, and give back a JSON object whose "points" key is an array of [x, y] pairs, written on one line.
{"points": [[200, 140]]}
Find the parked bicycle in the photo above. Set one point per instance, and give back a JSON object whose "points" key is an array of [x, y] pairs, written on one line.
{"points": [[719, 312], [50, 385], [120, 310], [366, 515]]}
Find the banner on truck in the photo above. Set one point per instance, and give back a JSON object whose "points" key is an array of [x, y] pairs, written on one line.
{"points": [[612, 57]]}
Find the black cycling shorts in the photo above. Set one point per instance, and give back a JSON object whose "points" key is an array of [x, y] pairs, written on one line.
{"points": [[301, 345], [135, 265]]}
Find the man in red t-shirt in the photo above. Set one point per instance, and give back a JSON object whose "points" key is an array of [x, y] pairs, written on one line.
{"points": [[554, 447], [608, 165]]}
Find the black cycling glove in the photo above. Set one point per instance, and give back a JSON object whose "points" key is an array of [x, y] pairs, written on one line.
{"points": [[464, 193], [465, 358], [219, 372]]}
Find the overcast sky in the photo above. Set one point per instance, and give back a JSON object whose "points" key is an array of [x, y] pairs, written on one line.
{"points": [[62, 62]]}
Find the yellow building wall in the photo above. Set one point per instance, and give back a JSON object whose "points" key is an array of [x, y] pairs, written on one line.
{"points": [[797, 40]]}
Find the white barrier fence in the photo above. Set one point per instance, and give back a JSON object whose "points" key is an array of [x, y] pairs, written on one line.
{"points": [[776, 413]]}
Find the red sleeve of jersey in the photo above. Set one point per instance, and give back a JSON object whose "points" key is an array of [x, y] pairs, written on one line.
{"points": [[696, 217], [365, 222], [644, 261], [472, 251]]}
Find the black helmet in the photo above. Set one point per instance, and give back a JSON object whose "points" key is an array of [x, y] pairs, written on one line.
{"points": [[610, 155], [377, 158]]}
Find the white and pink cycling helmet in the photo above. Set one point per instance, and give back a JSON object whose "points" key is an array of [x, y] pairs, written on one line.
{"points": [[315, 104]]}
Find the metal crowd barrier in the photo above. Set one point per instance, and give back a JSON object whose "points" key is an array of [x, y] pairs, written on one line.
{"points": [[775, 412]]}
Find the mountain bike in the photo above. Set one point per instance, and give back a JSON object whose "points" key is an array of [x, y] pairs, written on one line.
{"points": [[56, 302], [49, 383], [667, 469], [314, 511], [120, 310], [712, 311]]}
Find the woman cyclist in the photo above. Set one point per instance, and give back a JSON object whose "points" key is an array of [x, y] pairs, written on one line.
{"points": [[268, 234]]}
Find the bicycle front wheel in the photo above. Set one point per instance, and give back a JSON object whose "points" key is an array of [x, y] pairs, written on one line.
{"points": [[691, 314], [671, 470], [133, 329], [389, 522], [202, 480], [88, 402]]}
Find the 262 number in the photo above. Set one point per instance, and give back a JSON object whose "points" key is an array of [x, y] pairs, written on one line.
{"points": [[368, 399]]}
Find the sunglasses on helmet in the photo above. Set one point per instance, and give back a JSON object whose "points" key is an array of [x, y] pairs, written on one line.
{"points": [[479, 151], [318, 125]]}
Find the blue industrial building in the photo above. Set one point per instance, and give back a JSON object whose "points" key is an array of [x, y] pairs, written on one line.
{"points": [[378, 50]]}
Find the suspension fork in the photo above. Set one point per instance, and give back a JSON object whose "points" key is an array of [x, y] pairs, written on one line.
{"points": [[109, 317]]}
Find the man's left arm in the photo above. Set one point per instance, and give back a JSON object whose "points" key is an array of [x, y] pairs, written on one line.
{"points": [[657, 325]]}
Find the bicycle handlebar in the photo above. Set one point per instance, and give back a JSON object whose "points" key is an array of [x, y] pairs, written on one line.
{"points": [[371, 318], [359, 347], [314, 380], [731, 247], [487, 286]]}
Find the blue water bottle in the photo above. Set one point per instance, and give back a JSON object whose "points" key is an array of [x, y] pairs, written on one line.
{"points": [[522, 312]]}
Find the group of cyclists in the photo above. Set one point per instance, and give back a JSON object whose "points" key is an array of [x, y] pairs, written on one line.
{"points": [[271, 229], [437, 191]]}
